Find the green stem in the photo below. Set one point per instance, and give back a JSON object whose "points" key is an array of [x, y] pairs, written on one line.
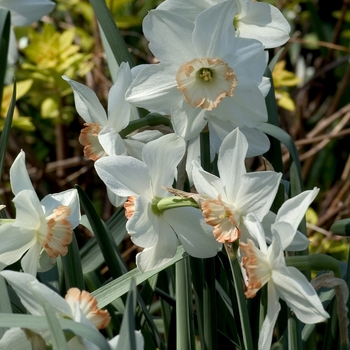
{"points": [[209, 292], [315, 262], [184, 326], [231, 249], [176, 202], [152, 119], [7, 221]]}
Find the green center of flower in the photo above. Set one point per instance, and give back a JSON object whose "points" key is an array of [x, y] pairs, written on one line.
{"points": [[206, 74]]}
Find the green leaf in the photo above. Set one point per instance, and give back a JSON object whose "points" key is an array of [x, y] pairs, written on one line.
{"points": [[58, 339], [115, 289], [274, 154], [287, 140], [111, 32], [4, 138], [341, 227], [127, 339], [102, 235], [41, 323], [73, 272], [5, 303], [5, 25]]}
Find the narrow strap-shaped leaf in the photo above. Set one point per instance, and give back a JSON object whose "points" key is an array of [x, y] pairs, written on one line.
{"points": [[4, 138], [274, 154], [115, 289], [127, 339], [5, 25], [73, 272], [5, 303], [111, 32], [104, 239], [58, 339], [287, 140], [41, 323]]}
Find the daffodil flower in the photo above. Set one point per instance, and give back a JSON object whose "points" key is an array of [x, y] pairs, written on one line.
{"points": [[226, 201], [142, 182], [41, 228], [23, 13], [100, 136], [267, 266], [256, 20], [205, 71], [79, 306]]}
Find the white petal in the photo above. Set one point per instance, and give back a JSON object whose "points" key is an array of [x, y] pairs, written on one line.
{"points": [[265, 86], [206, 184], [188, 122], [143, 225], [162, 156], [29, 212], [118, 109], [30, 261], [293, 287], [294, 209], [265, 23], [257, 192], [67, 198], [193, 154], [124, 176], [256, 230], [246, 107], [87, 104], [14, 243], [174, 45], [19, 177], [114, 199], [33, 293], [185, 8], [24, 12], [273, 308], [214, 38], [111, 141], [248, 59], [194, 234], [258, 142], [291, 239], [231, 165], [155, 88], [134, 148], [163, 251], [15, 339]]}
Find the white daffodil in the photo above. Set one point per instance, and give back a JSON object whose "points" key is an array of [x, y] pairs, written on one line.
{"points": [[41, 228], [204, 71], [100, 136], [143, 183], [256, 20], [267, 266], [292, 212], [226, 201], [80, 306], [23, 13]]}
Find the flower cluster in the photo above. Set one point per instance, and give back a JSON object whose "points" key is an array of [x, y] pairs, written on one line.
{"points": [[208, 81]]}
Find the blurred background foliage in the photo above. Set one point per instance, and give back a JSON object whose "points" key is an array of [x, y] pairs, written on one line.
{"points": [[312, 89]]}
